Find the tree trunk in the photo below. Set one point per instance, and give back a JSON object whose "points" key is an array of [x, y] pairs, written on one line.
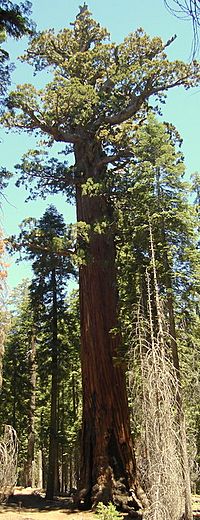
{"points": [[2, 339], [14, 389], [31, 432], [175, 359], [180, 406], [39, 470], [53, 451], [108, 467]]}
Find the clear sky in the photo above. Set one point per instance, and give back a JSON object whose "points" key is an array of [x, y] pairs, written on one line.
{"points": [[120, 17]]}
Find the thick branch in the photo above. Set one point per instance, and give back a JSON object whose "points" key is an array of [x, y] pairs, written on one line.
{"points": [[58, 134], [177, 83], [137, 102], [130, 110], [120, 156]]}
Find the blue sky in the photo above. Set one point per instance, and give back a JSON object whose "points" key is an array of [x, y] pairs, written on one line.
{"points": [[120, 18]]}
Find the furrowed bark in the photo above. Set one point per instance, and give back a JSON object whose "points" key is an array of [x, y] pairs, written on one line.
{"points": [[108, 467]]}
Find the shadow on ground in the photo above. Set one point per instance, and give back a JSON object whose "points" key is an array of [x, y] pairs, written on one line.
{"points": [[35, 501]]}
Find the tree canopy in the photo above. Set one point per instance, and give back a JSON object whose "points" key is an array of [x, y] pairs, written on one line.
{"points": [[97, 85]]}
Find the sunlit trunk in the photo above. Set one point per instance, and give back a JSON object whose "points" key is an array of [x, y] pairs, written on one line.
{"points": [[107, 455]]}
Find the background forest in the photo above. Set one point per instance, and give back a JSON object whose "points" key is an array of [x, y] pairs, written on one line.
{"points": [[99, 347]]}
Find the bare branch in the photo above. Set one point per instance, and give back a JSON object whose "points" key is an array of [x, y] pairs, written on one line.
{"points": [[187, 9]]}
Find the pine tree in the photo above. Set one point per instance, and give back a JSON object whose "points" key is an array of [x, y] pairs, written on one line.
{"points": [[16, 388], [14, 18], [155, 192], [42, 242], [154, 187]]}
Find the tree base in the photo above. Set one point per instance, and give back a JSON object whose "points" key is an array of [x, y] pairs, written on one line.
{"points": [[107, 489]]}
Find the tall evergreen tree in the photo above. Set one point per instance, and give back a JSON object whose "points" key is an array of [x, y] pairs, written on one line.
{"points": [[45, 243], [154, 188], [16, 389], [98, 93], [154, 196]]}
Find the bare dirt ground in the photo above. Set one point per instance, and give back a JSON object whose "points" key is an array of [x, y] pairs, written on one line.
{"points": [[29, 504]]}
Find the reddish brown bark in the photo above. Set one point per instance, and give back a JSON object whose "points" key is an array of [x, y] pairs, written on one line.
{"points": [[107, 458]]}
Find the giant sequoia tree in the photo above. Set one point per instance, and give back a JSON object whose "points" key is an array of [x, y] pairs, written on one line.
{"points": [[98, 93]]}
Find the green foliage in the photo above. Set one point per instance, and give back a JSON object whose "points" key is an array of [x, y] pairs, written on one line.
{"points": [[99, 89], [47, 243], [14, 19], [43, 177], [108, 512], [16, 389], [5, 69], [15, 22], [153, 186], [91, 188], [4, 179], [14, 406]]}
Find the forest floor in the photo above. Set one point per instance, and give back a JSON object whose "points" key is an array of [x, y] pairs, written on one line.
{"points": [[29, 504]]}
